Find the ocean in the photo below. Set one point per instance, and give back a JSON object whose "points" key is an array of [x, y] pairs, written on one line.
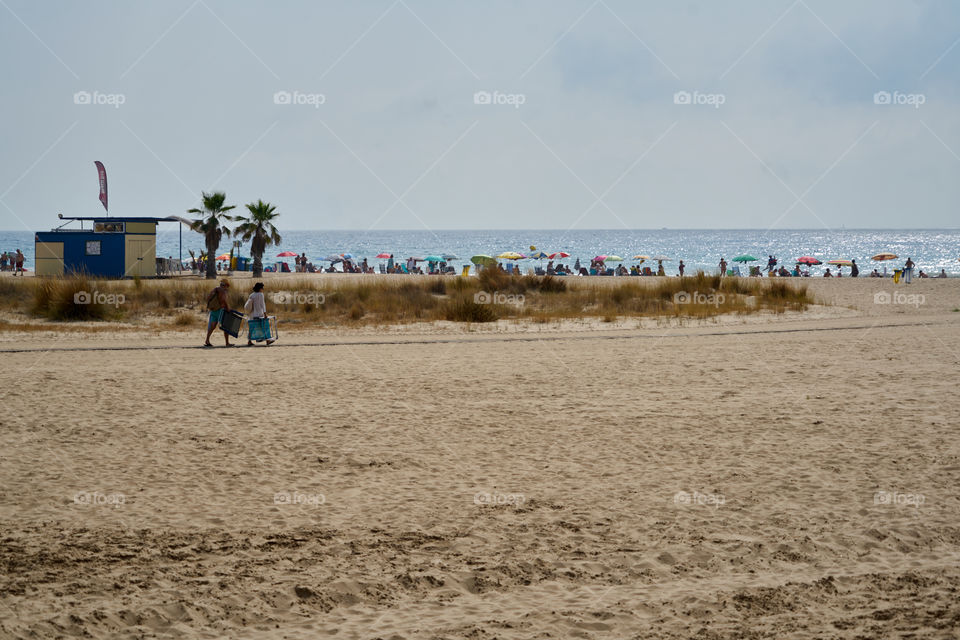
{"points": [[931, 249]]}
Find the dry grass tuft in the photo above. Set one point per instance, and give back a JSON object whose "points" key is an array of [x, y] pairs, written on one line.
{"points": [[69, 298], [464, 309]]}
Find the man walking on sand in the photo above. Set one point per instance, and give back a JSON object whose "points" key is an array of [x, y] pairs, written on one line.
{"points": [[19, 261], [218, 305]]}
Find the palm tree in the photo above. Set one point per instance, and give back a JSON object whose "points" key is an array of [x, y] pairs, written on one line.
{"points": [[259, 228], [213, 215]]}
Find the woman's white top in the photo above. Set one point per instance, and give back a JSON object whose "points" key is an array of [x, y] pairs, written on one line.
{"points": [[256, 306]]}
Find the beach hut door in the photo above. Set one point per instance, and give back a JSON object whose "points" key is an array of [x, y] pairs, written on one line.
{"points": [[49, 258], [140, 256]]}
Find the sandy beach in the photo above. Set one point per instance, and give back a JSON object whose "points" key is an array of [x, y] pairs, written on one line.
{"points": [[788, 476]]}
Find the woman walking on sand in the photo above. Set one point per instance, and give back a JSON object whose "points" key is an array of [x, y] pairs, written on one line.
{"points": [[258, 327]]}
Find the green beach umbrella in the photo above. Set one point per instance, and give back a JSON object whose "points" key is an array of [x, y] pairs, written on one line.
{"points": [[745, 258], [482, 259], [614, 259]]}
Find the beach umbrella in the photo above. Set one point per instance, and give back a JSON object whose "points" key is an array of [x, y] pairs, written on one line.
{"points": [[332, 259], [745, 258], [538, 255], [840, 263], [224, 256], [450, 256], [482, 259], [383, 256], [558, 254], [661, 258], [885, 256], [600, 258], [434, 259], [808, 260], [511, 255], [287, 254], [614, 259], [641, 258], [346, 256]]}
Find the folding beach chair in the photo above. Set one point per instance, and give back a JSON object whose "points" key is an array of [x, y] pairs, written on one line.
{"points": [[230, 322], [260, 329]]}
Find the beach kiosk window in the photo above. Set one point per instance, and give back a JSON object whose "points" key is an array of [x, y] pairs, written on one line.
{"points": [[93, 247], [108, 227]]}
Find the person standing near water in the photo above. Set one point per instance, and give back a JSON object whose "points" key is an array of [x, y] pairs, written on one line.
{"points": [[907, 269], [854, 269], [680, 267], [723, 267], [19, 260]]}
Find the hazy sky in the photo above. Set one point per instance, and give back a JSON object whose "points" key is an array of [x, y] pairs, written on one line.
{"points": [[366, 114]]}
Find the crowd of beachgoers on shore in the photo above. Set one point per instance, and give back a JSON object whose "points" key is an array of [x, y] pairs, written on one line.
{"points": [[597, 266]]}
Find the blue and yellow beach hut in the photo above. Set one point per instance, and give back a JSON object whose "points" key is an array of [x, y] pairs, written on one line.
{"points": [[109, 247]]}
